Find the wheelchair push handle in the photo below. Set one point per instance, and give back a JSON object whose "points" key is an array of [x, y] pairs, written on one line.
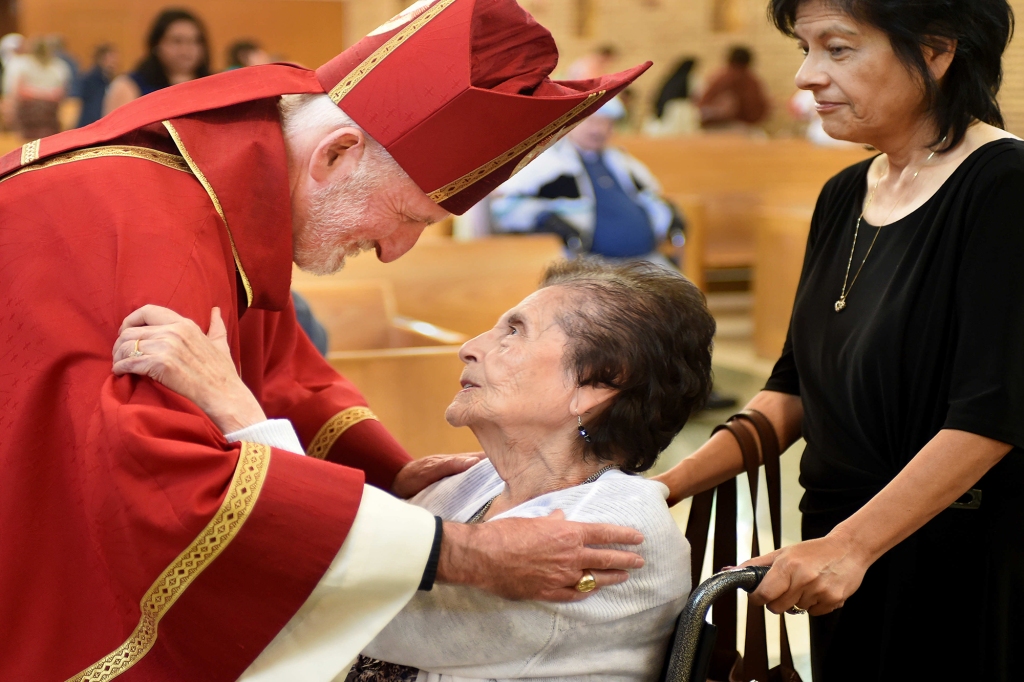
{"points": [[692, 621]]}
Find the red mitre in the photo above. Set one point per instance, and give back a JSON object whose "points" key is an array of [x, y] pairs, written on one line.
{"points": [[456, 90], [458, 93]]}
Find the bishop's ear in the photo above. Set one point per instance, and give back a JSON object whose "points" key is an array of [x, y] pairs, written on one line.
{"points": [[337, 155]]}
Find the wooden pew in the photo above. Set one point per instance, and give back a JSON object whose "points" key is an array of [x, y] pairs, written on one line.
{"points": [[737, 179], [408, 370], [781, 239], [465, 286]]}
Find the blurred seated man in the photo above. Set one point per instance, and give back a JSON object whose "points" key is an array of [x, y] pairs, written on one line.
{"points": [[734, 96], [598, 199]]}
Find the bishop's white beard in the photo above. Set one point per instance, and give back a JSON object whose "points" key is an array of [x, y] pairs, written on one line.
{"points": [[335, 214]]}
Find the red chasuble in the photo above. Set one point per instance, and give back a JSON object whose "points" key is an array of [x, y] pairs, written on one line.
{"points": [[135, 541]]}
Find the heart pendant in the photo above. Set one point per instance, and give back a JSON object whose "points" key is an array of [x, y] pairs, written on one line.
{"points": [[840, 304]]}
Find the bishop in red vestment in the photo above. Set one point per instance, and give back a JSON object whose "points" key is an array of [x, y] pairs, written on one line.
{"points": [[136, 541]]}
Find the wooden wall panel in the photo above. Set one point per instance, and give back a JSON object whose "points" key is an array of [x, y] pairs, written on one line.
{"points": [[305, 31]]}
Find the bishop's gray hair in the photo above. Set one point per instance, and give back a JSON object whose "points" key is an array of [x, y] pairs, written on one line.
{"points": [[301, 114]]}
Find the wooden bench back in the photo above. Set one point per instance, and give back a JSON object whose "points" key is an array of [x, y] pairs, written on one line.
{"points": [[356, 315], [735, 180], [781, 240], [465, 286]]}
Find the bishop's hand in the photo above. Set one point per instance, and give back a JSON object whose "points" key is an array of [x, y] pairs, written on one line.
{"points": [[539, 559], [171, 349]]}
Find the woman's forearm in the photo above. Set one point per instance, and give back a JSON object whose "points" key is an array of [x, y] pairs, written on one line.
{"points": [[720, 458], [947, 467]]}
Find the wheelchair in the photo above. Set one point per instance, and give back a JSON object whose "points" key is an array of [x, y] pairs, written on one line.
{"points": [[690, 655]]}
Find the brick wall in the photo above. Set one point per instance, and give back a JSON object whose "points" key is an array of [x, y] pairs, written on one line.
{"points": [[666, 30]]}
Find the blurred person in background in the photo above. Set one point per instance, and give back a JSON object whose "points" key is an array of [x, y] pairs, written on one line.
{"points": [[91, 87], [674, 108], [677, 86], [35, 88], [177, 52], [60, 49], [10, 52], [246, 53], [734, 96], [593, 64], [598, 199]]}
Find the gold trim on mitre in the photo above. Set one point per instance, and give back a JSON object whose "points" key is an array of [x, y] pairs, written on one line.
{"points": [[30, 152], [243, 491], [172, 161], [339, 91], [330, 432], [453, 188], [216, 204]]}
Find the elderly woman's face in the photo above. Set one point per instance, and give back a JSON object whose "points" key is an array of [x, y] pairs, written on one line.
{"points": [[514, 375], [863, 92]]}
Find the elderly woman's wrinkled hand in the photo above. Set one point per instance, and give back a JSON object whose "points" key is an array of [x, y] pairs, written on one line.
{"points": [[171, 349], [816, 576]]}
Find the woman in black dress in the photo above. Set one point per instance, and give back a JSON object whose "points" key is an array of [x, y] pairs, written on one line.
{"points": [[904, 366]]}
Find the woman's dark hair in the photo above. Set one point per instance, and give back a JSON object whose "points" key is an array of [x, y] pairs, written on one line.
{"points": [[981, 29], [150, 68], [239, 52], [677, 86], [645, 331], [740, 56]]}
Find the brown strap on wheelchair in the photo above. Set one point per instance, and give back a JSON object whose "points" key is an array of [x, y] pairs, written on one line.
{"points": [[755, 660], [770, 453], [755, 647]]}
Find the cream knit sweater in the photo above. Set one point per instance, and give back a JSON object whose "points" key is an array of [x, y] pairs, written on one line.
{"points": [[619, 633]]}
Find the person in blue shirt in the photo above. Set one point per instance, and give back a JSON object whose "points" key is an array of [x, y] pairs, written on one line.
{"points": [[599, 199]]}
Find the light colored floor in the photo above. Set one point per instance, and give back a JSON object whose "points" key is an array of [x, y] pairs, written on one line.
{"points": [[740, 373]]}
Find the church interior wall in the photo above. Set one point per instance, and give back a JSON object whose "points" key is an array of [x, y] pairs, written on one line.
{"points": [[305, 31], [312, 31]]}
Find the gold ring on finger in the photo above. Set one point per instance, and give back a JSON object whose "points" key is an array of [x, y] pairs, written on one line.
{"points": [[136, 353], [796, 611], [586, 583]]}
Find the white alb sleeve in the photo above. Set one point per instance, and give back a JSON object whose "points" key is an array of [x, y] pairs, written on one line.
{"points": [[375, 573], [277, 433]]}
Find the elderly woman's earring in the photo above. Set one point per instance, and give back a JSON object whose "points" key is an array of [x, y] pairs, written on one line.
{"points": [[583, 431]]}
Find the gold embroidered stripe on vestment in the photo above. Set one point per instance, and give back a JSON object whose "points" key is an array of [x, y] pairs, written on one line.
{"points": [[201, 177], [330, 432], [350, 81], [30, 152], [163, 158], [243, 491]]}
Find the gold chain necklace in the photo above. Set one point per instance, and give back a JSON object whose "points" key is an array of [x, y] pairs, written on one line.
{"points": [[841, 303]]}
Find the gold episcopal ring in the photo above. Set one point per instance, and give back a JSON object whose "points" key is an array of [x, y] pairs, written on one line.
{"points": [[586, 583], [136, 353]]}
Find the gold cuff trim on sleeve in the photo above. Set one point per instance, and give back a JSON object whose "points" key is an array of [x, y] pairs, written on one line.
{"points": [[339, 91], [453, 188], [330, 432], [30, 152], [216, 204], [172, 161], [250, 474]]}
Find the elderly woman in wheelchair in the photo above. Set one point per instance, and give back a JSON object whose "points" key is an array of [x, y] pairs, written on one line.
{"points": [[572, 394]]}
